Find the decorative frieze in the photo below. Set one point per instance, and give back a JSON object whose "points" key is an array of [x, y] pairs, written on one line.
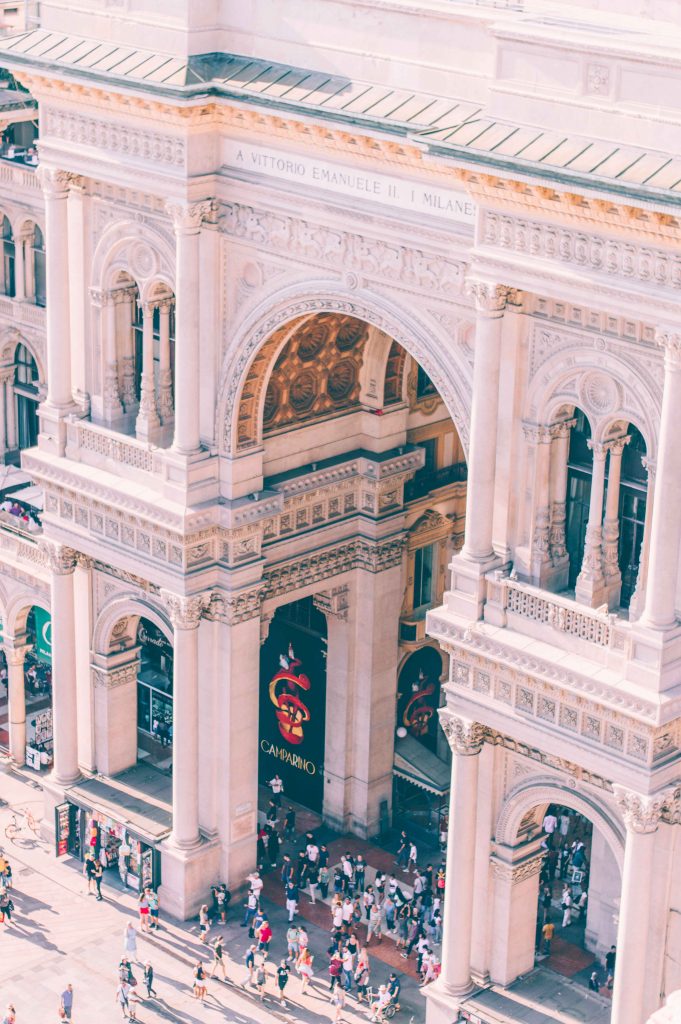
{"points": [[513, 874], [642, 813], [607, 256], [320, 245], [465, 737], [540, 690], [376, 556], [185, 612], [113, 137], [334, 602]]}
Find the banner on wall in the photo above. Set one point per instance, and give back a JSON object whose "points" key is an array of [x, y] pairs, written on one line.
{"points": [[418, 695], [293, 712], [43, 635]]}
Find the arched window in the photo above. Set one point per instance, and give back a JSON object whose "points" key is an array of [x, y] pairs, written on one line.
{"points": [[632, 512], [26, 397], [9, 286], [39, 267], [580, 470]]}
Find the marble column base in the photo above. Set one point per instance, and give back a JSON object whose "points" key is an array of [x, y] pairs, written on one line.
{"points": [[187, 876], [468, 590], [443, 1001]]}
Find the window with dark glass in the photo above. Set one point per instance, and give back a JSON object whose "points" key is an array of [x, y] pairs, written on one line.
{"points": [[8, 258], [424, 559], [39, 266], [26, 397]]}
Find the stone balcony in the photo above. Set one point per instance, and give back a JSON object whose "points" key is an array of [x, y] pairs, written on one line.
{"points": [[559, 670]]}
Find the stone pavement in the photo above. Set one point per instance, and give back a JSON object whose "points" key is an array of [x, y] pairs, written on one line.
{"points": [[541, 997], [61, 934]]}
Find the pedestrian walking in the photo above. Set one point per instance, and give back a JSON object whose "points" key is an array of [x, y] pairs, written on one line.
{"points": [[204, 922], [89, 872], [249, 961], [282, 979], [261, 979], [312, 880], [218, 958], [323, 878], [335, 970], [66, 1003], [264, 936], [290, 823], [143, 909], [548, 931], [413, 855], [154, 904], [293, 945], [566, 903], [97, 875], [251, 906], [338, 1002], [291, 900], [199, 983], [130, 941], [610, 958], [122, 997], [304, 967], [402, 854], [374, 925], [149, 979], [6, 906], [277, 787]]}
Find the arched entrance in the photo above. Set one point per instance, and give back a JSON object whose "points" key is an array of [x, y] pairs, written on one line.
{"points": [[154, 695], [557, 868], [336, 416]]}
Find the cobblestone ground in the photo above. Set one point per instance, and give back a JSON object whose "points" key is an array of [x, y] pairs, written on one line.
{"points": [[60, 935]]}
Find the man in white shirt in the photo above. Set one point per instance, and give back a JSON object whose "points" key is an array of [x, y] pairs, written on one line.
{"points": [[312, 853], [256, 884], [277, 787], [550, 823]]}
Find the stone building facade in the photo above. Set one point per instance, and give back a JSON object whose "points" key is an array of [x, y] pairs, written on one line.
{"points": [[303, 307]]}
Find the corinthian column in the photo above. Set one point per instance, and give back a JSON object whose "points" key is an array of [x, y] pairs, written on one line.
{"points": [[465, 739], [611, 524], [165, 384], [560, 432], [539, 440], [589, 587], [638, 598], [148, 421], [185, 614], [55, 185], [665, 534], [16, 689], [187, 221], [636, 987], [62, 561]]}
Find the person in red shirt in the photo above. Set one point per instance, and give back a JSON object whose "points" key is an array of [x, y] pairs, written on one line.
{"points": [[264, 935]]}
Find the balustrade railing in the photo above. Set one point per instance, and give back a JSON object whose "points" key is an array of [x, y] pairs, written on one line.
{"points": [[87, 442]]}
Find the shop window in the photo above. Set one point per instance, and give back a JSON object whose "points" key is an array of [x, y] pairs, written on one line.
{"points": [[424, 559]]}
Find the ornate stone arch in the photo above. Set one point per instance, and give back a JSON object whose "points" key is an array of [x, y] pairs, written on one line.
{"points": [[137, 249], [18, 607], [130, 607], [618, 391], [538, 790], [23, 220], [421, 338], [10, 338]]}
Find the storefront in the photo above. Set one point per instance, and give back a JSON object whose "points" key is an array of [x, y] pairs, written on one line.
{"points": [[38, 687], [154, 693], [124, 852]]}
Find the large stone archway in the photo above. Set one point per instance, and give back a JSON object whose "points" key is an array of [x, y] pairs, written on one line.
{"points": [[423, 338], [115, 669], [516, 862]]}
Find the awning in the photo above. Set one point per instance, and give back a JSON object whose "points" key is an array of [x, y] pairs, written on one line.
{"points": [[146, 815], [32, 496], [420, 766]]}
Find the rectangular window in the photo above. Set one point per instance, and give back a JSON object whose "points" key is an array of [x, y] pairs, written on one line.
{"points": [[423, 576]]}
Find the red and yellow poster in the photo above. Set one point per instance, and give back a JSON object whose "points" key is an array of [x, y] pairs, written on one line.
{"points": [[293, 703]]}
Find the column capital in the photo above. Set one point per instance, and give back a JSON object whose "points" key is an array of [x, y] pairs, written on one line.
{"points": [[599, 448], [617, 445], [188, 217], [100, 297], [16, 655], [536, 433], [491, 299], [463, 735], [641, 813], [54, 182], [649, 465], [165, 305], [562, 429], [62, 560], [185, 612], [669, 338]]}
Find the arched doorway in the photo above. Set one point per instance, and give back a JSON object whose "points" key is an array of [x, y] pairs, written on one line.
{"points": [[328, 409], [557, 876], [154, 696], [26, 397]]}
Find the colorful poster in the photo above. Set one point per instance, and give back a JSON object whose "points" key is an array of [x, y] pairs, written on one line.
{"points": [[62, 828], [43, 635], [418, 696], [293, 708]]}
